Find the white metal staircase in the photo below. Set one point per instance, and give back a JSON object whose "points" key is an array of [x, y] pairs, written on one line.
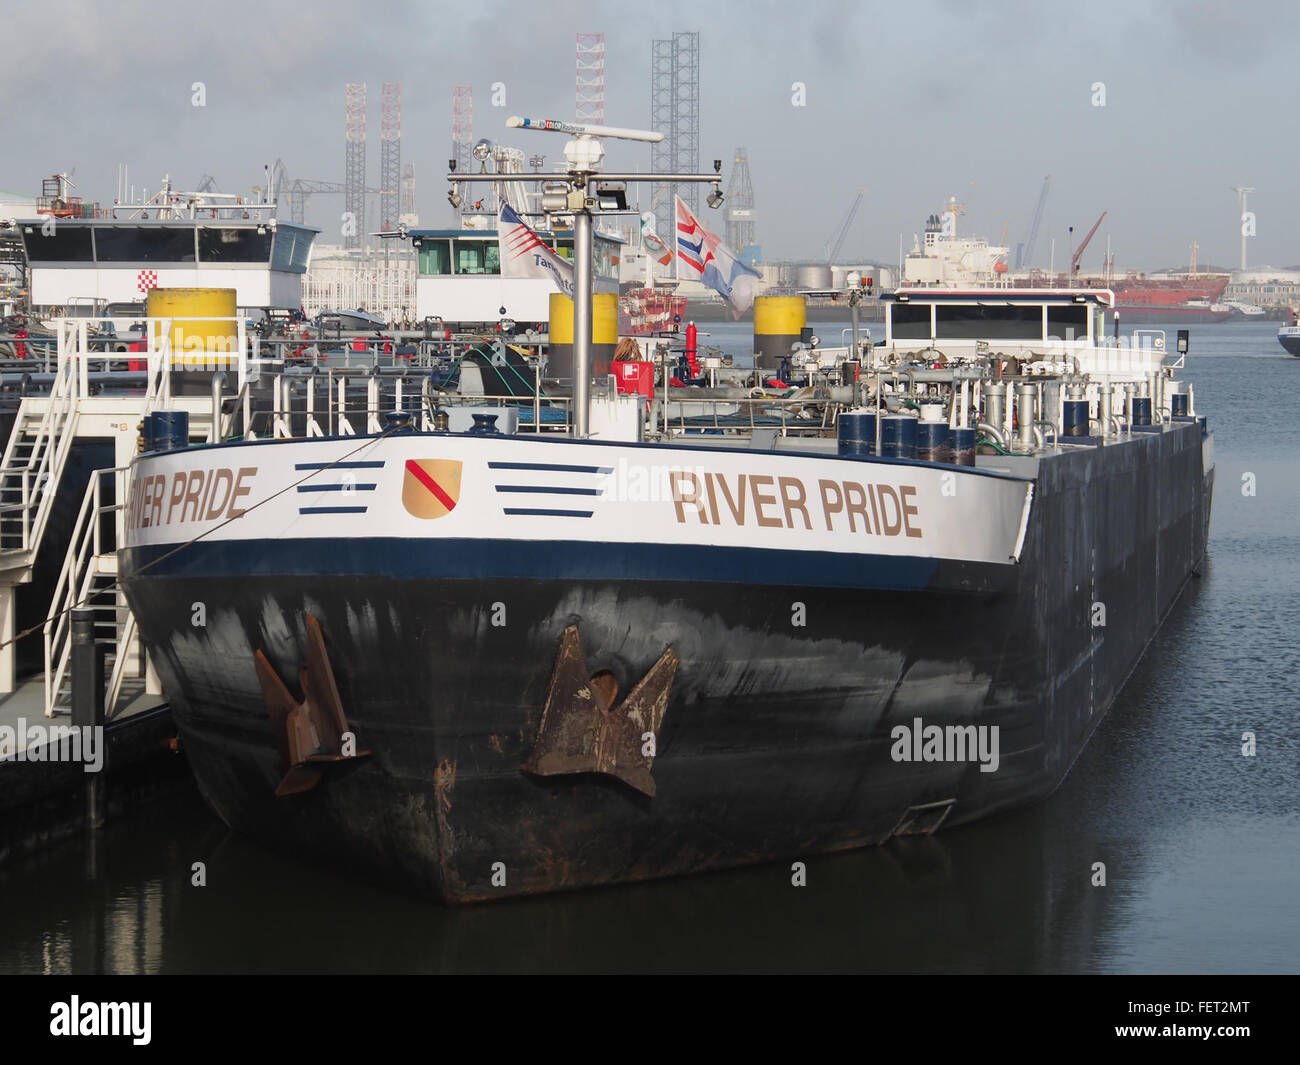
{"points": [[35, 457], [33, 462], [89, 579]]}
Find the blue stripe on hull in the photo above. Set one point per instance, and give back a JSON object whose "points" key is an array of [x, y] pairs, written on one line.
{"points": [[548, 560]]}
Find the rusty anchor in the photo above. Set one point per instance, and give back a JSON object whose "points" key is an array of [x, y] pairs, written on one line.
{"points": [[583, 732], [310, 733]]}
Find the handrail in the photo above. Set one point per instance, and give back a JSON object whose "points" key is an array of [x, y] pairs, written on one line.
{"points": [[126, 636], [76, 586], [227, 421], [57, 627], [49, 447]]}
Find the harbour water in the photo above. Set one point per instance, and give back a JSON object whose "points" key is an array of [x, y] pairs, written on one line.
{"points": [[1200, 843]]}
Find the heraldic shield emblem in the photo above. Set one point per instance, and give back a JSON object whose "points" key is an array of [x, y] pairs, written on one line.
{"points": [[431, 487]]}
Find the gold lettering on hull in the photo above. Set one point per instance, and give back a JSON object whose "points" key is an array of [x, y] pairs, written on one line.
{"points": [[188, 496], [762, 501]]}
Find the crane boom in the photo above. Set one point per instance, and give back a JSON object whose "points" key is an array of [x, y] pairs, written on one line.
{"points": [[300, 190], [1074, 261], [1033, 229], [844, 227]]}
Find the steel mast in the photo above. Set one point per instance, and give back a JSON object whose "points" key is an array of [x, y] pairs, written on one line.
{"points": [[582, 190]]}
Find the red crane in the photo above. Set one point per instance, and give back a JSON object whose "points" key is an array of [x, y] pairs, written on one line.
{"points": [[1074, 262]]}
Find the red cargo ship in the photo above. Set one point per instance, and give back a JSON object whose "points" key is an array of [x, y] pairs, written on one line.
{"points": [[1141, 300], [1139, 291], [645, 311], [1190, 298]]}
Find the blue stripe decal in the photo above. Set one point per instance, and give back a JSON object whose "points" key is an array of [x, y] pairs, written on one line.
{"points": [[548, 466], [548, 513], [331, 510], [337, 487], [338, 465], [393, 558], [548, 490]]}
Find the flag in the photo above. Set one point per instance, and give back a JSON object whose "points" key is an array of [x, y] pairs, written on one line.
{"points": [[525, 254], [706, 259], [653, 243]]}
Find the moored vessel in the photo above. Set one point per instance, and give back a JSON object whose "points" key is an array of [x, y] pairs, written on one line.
{"points": [[1289, 335], [495, 663], [651, 631], [944, 259]]}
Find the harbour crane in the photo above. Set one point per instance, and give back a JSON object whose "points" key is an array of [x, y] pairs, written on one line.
{"points": [[843, 230], [1028, 261], [301, 190], [1074, 259]]}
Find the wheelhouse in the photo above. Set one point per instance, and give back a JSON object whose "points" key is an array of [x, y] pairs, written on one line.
{"points": [[459, 275], [994, 316], [263, 259]]}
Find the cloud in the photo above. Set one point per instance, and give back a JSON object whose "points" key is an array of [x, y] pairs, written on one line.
{"points": [[913, 102]]}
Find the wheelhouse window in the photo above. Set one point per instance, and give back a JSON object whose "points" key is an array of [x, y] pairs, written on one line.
{"points": [[59, 243], [910, 321], [478, 257], [974, 322], [243, 245], [1068, 323], [435, 256], [136, 244]]}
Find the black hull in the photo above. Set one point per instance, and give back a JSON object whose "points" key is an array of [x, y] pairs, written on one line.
{"points": [[1291, 344], [777, 740]]}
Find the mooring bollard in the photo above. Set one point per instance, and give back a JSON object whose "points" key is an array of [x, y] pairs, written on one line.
{"points": [[88, 701]]}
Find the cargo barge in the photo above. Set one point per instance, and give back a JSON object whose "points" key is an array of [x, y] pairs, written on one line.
{"points": [[495, 663]]}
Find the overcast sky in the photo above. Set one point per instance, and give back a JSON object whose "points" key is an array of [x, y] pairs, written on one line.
{"points": [[914, 101]]}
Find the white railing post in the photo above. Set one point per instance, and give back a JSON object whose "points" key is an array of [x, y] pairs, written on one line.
{"points": [[313, 427], [372, 405], [165, 382], [83, 358], [241, 337]]}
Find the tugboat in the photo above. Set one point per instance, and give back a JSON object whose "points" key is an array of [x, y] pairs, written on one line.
{"points": [[629, 645]]}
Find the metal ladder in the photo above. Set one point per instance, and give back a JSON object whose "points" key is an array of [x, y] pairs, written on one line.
{"points": [[33, 462], [35, 458], [89, 579]]}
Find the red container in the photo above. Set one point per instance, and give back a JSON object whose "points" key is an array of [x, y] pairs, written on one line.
{"points": [[636, 377]]}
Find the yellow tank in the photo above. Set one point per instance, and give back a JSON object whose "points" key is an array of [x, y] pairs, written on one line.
{"points": [[778, 323], [604, 334], [211, 341]]}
